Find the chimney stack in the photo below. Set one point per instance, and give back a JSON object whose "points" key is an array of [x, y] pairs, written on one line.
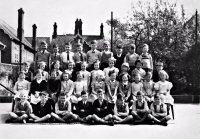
{"points": [[20, 29], [34, 37], [80, 27], [101, 31], [54, 36], [76, 27]]}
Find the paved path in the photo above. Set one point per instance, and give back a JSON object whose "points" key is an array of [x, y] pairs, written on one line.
{"points": [[185, 126]]}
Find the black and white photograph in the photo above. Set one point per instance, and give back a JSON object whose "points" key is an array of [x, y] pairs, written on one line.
{"points": [[98, 69]]}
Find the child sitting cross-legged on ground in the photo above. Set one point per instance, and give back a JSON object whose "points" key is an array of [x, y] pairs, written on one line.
{"points": [[121, 111], [102, 112], [22, 109], [159, 111], [63, 110], [140, 109], [84, 109], [43, 109]]}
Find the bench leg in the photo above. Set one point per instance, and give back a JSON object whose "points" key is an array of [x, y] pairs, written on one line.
{"points": [[172, 108]]}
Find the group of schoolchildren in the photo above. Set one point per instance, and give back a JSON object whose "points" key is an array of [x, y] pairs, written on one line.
{"points": [[94, 88]]}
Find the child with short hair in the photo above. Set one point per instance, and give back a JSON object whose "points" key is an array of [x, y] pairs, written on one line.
{"points": [[21, 85], [112, 87], [124, 70], [56, 68], [84, 108], [125, 87], [43, 109], [102, 113], [53, 86], [22, 109], [85, 74], [159, 111], [163, 87], [93, 55], [66, 56], [67, 85], [55, 56], [131, 57], [63, 110], [70, 69], [79, 86], [138, 69], [37, 85], [146, 59], [105, 55], [110, 68], [148, 88], [137, 86], [121, 111], [45, 74], [96, 71], [96, 85], [140, 108], [79, 56], [28, 73], [119, 56]]}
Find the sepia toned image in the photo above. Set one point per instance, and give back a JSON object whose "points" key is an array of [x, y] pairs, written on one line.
{"points": [[100, 69]]}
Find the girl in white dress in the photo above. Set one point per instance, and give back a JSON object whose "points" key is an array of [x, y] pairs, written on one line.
{"points": [[79, 86], [136, 86], [96, 71], [148, 87], [163, 87]]}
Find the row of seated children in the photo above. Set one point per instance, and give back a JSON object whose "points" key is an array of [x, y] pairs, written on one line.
{"points": [[98, 112]]}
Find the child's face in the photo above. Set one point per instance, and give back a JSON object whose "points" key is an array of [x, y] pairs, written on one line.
{"points": [[139, 65], [145, 49], [55, 50], [42, 66], [162, 77], [79, 48], [22, 76], [65, 77], [148, 78], [137, 79], [43, 47], [132, 50], [43, 98], [157, 100], [67, 48], [139, 98], [113, 76], [70, 66], [57, 66], [83, 67], [79, 77], [53, 75], [119, 51], [124, 78], [106, 47], [124, 68], [100, 95], [111, 64], [84, 97], [62, 99], [159, 67], [96, 66], [22, 97], [39, 75], [93, 46], [26, 67]]}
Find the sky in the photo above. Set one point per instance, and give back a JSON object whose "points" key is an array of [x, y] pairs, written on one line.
{"points": [[44, 13]]}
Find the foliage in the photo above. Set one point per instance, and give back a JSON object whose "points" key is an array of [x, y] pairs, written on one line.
{"points": [[162, 25]]}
